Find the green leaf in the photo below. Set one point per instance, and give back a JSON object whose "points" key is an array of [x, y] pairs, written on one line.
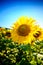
{"points": [[25, 47]]}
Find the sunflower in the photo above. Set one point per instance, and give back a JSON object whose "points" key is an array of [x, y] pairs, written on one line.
{"points": [[2, 29], [22, 30], [8, 34], [38, 33]]}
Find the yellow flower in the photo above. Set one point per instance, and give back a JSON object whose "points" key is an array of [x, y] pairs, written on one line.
{"points": [[2, 29], [38, 33], [8, 34], [22, 30]]}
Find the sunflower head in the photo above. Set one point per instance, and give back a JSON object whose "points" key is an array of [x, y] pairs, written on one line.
{"points": [[8, 34], [2, 29], [38, 34], [22, 30]]}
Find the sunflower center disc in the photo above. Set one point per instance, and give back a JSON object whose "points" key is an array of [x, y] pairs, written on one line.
{"points": [[23, 30], [37, 34], [8, 34]]}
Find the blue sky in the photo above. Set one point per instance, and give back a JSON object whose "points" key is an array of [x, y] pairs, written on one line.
{"points": [[11, 10]]}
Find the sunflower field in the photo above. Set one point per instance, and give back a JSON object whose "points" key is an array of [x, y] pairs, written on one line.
{"points": [[22, 44]]}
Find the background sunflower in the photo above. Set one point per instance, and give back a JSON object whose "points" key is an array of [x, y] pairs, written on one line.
{"points": [[38, 33]]}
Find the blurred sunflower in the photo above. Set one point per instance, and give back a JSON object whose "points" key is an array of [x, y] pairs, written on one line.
{"points": [[2, 29], [22, 30], [38, 33], [8, 34]]}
